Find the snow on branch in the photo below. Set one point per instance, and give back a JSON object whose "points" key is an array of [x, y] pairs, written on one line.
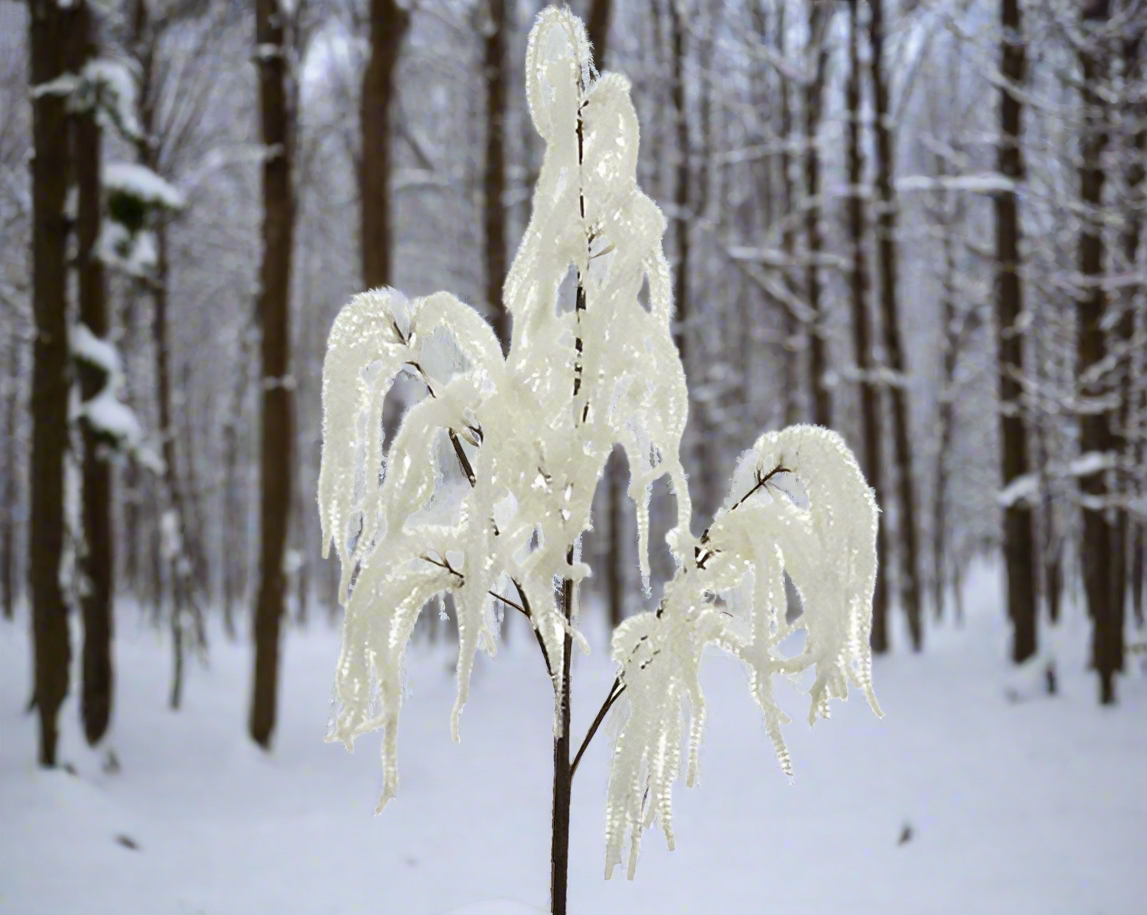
{"points": [[733, 596], [488, 482]]}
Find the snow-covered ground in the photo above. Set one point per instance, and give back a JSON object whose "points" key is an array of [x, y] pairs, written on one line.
{"points": [[958, 801]]}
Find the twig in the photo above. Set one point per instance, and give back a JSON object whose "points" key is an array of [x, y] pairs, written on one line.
{"points": [[614, 694]]}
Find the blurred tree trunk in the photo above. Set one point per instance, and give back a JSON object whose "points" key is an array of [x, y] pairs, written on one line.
{"points": [[1128, 551], [886, 220], [178, 546], [1019, 545], [680, 187], [388, 25], [791, 394], [598, 29], [859, 288], [817, 56], [274, 310], [10, 499], [49, 27], [597, 26], [97, 562], [495, 27], [1097, 546]]}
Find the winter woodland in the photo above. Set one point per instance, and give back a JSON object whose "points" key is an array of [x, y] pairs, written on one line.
{"points": [[916, 225]]}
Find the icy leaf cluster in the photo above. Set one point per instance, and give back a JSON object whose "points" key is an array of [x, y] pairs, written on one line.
{"points": [[486, 486], [732, 595]]}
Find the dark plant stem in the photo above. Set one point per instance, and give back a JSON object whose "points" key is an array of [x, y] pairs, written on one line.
{"points": [[563, 771]]}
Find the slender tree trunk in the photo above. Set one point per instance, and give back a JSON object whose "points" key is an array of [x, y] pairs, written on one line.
{"points": [[1136, 178], [494, 212], [1019, 545], [813, 98], [50, 24], [598, 30], [1097, 545], [98, 560], [792, 411], [858, 287], [681, 188], [274, 316], [597, 26], [388, 24], [8, 576], [886, 220], [946, 413]]}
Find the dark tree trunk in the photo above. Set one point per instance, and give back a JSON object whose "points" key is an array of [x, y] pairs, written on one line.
{"points": [[792, 411], [388, 24], [598, 28], [98, 560], [274, 317], [494, 212], [50, 24], [886, 220], [1019, 543], [858, 287], [1130, 451], [680, 188], [813, 100], [8, 575], [1097, 545]]}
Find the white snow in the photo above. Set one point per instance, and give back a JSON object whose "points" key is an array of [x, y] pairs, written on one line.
{"points": [[104, 411], [1021, 489], [1030, 808], [115, 94], [141, 182]]}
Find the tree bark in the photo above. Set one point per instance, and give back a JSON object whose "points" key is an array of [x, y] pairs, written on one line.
{"points": [[681, 187], [813, 99], [870, 425], [886, 220], [494, 212], [1097, 545], [388, 25], [1019, 544], [98, 559], [50, 24], [8, 575], [791, 394], [1124, 533], [274, 316], [597, 26]]}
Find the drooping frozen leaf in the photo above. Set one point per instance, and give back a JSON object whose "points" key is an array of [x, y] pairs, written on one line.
{"points": [[732, 595], [487, 485]]}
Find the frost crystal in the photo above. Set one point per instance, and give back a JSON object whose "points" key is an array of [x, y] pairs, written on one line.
{"points": [[488, 483]]}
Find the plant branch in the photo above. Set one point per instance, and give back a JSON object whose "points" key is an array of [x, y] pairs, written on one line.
{"points": [[614, 694]]}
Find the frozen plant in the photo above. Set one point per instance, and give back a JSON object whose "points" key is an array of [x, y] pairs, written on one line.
{"points": [[487, 485]]}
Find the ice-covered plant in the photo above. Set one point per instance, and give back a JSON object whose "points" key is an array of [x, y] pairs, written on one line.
{"points": [[487, 485]]}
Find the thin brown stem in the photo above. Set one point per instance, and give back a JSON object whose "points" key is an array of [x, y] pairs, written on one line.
{"points": [[614, 694]]}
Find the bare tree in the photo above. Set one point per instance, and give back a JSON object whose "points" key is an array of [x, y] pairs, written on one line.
{"points": [[870, 425], [817, 58], [388, 24], [495, 26], [1098, 544], [1019, 543], [97, 560], [277, 130], [50, 25], [886, 221]]}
